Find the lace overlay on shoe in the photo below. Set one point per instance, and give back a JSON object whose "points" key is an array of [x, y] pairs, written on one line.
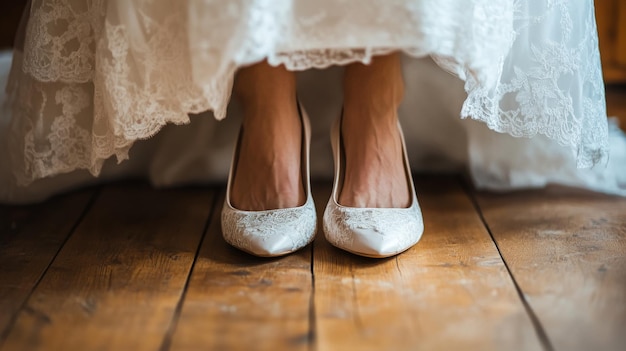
{"points": [[404, 226], [132, 66], [243, 228]]}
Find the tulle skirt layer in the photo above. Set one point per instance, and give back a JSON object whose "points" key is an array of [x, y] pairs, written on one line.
{"points": [[91, 77]]}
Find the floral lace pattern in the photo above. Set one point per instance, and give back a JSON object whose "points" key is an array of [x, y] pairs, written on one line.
{"points": [[245, 229], [556, 89], [401, 226], [530, 66]]}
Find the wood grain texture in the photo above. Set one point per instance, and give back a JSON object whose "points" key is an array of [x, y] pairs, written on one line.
{"points": [[616, 103], [236, 301], [606, 23], [620, 38], [30, 237], [611, 24], [117, 281], [566, 249], [451, 291]]}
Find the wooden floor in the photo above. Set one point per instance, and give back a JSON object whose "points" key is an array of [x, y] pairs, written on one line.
{"points": [[126, 267]]}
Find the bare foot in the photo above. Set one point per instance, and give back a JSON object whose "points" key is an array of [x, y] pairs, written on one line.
{"points": [[268, 173], [374, 174]]}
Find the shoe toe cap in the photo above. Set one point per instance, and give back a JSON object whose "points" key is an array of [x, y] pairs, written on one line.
{"points": [[270, 233], [268, 245], [368, 242], [373, 232]]}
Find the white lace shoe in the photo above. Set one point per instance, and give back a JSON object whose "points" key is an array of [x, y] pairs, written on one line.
{"points": [[277, 232], [370, 232]]}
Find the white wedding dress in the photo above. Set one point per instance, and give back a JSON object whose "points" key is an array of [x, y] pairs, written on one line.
{"points": [[91, 78]]}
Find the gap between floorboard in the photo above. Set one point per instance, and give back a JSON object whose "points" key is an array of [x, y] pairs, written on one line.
{"points": [[11, 324], [539, 329]]}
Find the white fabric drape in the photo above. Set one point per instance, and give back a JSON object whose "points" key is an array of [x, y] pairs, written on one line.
{"points": [[95, 76]]}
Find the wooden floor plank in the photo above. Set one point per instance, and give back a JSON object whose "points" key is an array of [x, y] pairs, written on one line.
{"points": [[451, 291], [566, 249], [116, 283], [30, 237], [616, 103], [236, 301]]}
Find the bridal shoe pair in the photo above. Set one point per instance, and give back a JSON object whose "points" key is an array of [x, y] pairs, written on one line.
{"points": [[370, 232]]}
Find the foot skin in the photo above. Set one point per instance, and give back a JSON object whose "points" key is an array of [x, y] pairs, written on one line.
{"points": [[374, 166], [374, 170], [268, 172]]}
